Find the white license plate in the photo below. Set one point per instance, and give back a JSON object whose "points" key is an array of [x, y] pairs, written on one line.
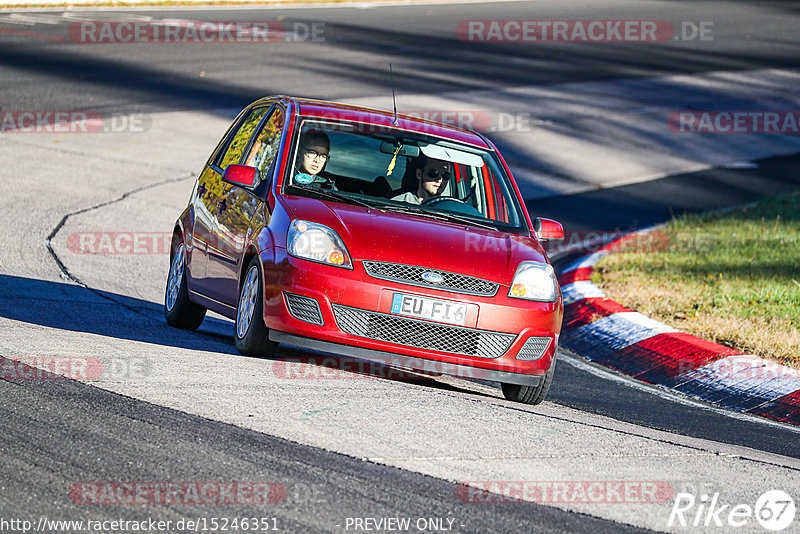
{"points": [[443, 311]]}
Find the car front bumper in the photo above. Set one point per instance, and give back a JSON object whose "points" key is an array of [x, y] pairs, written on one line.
{"points": [[497, 328]]}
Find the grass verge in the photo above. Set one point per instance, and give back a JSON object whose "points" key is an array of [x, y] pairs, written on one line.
{"points": [[732, 277]]}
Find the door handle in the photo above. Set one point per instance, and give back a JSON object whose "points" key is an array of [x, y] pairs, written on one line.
{"points": [[201, 190]]}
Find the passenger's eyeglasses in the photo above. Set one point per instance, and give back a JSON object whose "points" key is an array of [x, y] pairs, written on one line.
{"points": [[434, 173], [313, 154]]}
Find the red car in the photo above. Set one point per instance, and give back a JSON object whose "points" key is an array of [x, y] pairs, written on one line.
{"points": [[370, 235]]}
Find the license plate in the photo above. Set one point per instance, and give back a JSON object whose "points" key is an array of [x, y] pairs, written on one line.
{"points": [[443, 311]]}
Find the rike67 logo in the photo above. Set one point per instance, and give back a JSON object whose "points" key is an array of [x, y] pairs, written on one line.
{"points": [[774, 510]]}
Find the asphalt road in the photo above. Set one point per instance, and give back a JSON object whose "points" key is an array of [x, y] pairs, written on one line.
{"points": [[42, 64], [60, 433], [356, 447]]}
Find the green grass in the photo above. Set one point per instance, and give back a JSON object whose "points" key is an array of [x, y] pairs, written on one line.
{"points": [[731, 277]]}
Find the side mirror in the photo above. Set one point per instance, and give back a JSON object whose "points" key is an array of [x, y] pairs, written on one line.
{"points": [[240, 175], [548, 229]]}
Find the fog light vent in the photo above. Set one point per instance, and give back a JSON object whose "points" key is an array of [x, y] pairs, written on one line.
{"points": [[303, 308], [534, 348]]}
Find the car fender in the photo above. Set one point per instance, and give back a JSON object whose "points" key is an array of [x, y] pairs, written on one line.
{"points": [[264, 244], [184, 226]]}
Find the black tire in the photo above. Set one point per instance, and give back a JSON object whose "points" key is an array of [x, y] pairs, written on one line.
{"points": [[530, 394], [252, 338], [179, 311]]}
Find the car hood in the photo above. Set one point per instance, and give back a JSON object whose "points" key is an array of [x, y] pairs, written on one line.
{"points": [[379, 235]]}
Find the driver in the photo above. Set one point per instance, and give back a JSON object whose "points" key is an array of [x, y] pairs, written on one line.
{"points": [[433, 175]]}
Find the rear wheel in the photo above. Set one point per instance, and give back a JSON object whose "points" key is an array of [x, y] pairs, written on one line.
{"points": [[530, 394], [179, 311], [252, 335]]}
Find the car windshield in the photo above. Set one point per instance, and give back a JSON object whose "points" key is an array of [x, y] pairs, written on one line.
{"points": [[397, 170]]}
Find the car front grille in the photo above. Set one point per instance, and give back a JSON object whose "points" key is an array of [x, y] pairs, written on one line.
{"points": [[412, 275], [534, 348], [303, 308], [422, 334]]}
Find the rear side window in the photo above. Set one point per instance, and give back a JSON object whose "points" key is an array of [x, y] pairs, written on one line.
{"points": [[265, 148], [233, 153]]}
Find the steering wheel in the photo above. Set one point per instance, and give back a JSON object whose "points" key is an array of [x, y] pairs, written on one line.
{"points": [[436, 200], [454, 205]]}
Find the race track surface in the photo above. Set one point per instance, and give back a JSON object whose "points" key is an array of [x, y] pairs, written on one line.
{"points": [[592, 149]]}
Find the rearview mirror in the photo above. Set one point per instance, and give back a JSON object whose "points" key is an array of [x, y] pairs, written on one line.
{"points": [[405, 150], [548, 229], [240, 175]]}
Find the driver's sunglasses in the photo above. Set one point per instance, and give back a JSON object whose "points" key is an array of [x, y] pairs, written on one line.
{"points": [[313, 154], [434, 173]]}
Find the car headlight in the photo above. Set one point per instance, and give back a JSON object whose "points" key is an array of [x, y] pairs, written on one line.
{"points": [[534, 280], [316, 242]]}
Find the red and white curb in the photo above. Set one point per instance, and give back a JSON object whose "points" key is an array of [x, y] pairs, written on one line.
{"points": [[604, 331]]}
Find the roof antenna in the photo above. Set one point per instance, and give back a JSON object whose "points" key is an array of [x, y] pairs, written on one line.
{"points": [[394, 100]]}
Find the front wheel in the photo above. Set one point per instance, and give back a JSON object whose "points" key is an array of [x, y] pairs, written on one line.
{"points": [[179, 311], [530, 394], [252, 335]]}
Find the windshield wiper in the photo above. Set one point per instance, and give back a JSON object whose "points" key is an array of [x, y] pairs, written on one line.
{"points": [[469, 222], [439, 215], [334, 195]]}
